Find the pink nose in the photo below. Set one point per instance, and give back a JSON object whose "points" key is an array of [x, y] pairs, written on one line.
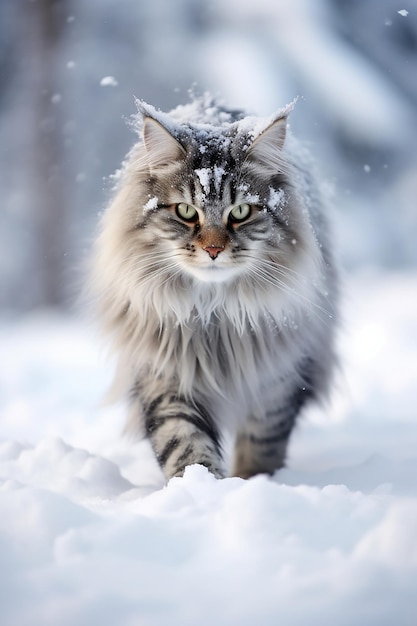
{"points": [[214, 251]]}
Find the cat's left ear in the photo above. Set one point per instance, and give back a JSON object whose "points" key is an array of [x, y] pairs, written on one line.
{"points": [[270, 142], [162, 148]]}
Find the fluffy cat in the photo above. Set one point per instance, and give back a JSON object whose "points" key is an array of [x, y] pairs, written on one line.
{"points": [[215, 280]]}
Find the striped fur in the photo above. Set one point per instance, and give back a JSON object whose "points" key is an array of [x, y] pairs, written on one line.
{"points": [[221, 326]]}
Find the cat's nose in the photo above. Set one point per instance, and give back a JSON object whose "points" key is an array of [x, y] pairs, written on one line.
{"points": [[214, 251]]}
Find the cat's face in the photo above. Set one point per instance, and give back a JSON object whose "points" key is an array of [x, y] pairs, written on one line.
{"points": [[215, 244], [219, 204]]}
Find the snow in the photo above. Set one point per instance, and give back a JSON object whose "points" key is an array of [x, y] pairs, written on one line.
{"points": [[203, 110], [108, 81], [204, 176], [255, 125], [219, 172], [90, 534], [151, 204], [276, 199]]}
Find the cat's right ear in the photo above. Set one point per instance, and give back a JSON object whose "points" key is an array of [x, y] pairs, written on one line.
{"points": [[162, 148]]}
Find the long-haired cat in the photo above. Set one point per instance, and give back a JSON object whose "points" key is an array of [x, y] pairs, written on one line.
{"points": [[215, 280]]}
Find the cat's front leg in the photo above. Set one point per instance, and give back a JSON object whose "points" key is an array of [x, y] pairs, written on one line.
{"points": [[261, 446], [182, 433]]}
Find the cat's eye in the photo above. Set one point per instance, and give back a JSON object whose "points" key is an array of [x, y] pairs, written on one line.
{"points": [[186, 212], [240, 212]]}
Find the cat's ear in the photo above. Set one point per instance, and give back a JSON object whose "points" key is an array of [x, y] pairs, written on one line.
{"points": [[269, 142], [267, 147], [162, 148]]}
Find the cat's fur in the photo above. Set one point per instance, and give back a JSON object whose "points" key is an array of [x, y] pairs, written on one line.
{"points": [[220, 326]]}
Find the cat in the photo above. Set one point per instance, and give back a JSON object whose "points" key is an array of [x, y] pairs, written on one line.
{"points": [[216, 282]]}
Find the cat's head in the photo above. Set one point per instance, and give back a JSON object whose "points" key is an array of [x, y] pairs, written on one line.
{"points": [[218, 200]]}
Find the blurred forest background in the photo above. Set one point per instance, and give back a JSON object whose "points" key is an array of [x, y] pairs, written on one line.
{"points": [[69, 71]]}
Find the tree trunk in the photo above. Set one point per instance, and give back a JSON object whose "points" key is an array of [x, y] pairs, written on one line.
{"points": [[47, 20]]}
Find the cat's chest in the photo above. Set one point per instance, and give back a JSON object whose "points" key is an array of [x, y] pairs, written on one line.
{"points": [[217, 355]]}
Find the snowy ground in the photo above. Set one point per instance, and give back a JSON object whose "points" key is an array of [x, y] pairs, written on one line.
{"points": [[89, 534]]}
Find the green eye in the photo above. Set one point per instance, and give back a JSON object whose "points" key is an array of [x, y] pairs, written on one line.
{"points": [[240, 212], [186, 212]]}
